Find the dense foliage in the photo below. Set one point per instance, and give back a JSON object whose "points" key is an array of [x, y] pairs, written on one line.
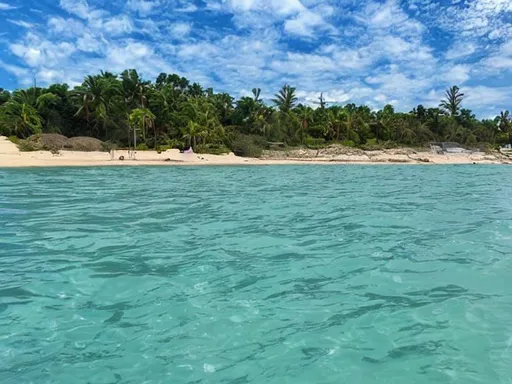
{"points": [[174, 113]]}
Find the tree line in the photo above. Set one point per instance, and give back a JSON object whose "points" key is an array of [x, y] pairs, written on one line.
{"points": [[172, 112]]}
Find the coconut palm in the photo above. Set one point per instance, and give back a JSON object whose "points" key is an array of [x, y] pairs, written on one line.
{"points": [[335, 118], [22, 119], [256, 92], [505, 124], [95, 101], [285, 99], [142, 118], [135, 89], [263, 120], [191, 132], [94, 91], [453, 100], [305, 115]]}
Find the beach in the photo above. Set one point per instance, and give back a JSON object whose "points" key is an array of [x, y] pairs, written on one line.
{"points": [[11, 156]]}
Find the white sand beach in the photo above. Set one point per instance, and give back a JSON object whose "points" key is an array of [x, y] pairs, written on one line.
{"points": [[11, 156]]}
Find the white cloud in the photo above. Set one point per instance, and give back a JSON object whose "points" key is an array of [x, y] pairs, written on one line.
{"points": [[118, 25], [65, 27], [134, 54], [477, 18], [143, 7], [483, 96], [304, 23], [458, 74], [180, 30], [17, 71], [460, 50], [501, 59], [187, 8], [283, 7], [79, 8], [89, 43], [21, 23], [372, 52], [36, 52], [388, 16], [6, 7]]}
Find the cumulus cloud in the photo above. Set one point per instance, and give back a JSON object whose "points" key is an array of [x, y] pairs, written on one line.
{"points": [[180, 30], [6, 7], [142, 7], [373, 52]]}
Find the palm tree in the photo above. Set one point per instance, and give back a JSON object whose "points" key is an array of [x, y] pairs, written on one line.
{"points": [[256, 92], [142, 118], [191, 132], [20, 118], [45, 105], [306, 117], [95, 98], [263, 120], [335, 117], [85, 94], [505, 124], [453, 101], [135, 89], [285, 99]]}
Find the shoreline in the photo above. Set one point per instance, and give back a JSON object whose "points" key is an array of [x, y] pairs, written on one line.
{"points": [[12, 157]]}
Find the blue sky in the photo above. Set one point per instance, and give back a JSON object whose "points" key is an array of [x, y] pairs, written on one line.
{"points": [[371, 52]]}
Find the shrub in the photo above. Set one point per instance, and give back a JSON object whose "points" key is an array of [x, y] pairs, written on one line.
{"points": [[372, 145], [14, 139], [86, 144], [107, 146], [348, 143], [142, 147], [246, 146], [172, 144], [213, 149], [314, 143], [29, 146]]}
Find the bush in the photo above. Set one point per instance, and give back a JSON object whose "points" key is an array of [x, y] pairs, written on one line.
{"points": [[107, 146], [142, 147], [246, 146], [372, 145], [212, 149], [29, 146], [14, 139], [171, 144], [348, 143], [314, 143]]}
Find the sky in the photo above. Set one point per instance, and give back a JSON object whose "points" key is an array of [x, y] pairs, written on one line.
{"points": [[373, 52]]}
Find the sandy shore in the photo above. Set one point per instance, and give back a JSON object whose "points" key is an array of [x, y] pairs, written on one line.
{"points": [[10, 156]]}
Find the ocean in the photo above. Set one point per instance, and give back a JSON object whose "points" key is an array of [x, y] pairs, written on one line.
{"points": [[278, 274]]}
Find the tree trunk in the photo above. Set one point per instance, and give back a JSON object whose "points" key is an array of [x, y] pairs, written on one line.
{"points": [[154, 131]]}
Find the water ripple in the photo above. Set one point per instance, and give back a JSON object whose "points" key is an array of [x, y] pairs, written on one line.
{"points": [[307, 274]]}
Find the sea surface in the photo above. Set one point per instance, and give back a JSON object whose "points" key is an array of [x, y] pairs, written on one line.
{"points": [[281, 274]]}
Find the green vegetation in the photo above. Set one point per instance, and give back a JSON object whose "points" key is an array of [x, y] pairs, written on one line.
{"points": [[127, 111]]}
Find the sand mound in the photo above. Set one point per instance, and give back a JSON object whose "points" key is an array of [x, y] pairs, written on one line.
{"points": [[56, 142], [86, 144]]}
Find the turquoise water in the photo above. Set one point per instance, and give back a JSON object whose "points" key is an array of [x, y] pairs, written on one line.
{"points": [[297, 274]]}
